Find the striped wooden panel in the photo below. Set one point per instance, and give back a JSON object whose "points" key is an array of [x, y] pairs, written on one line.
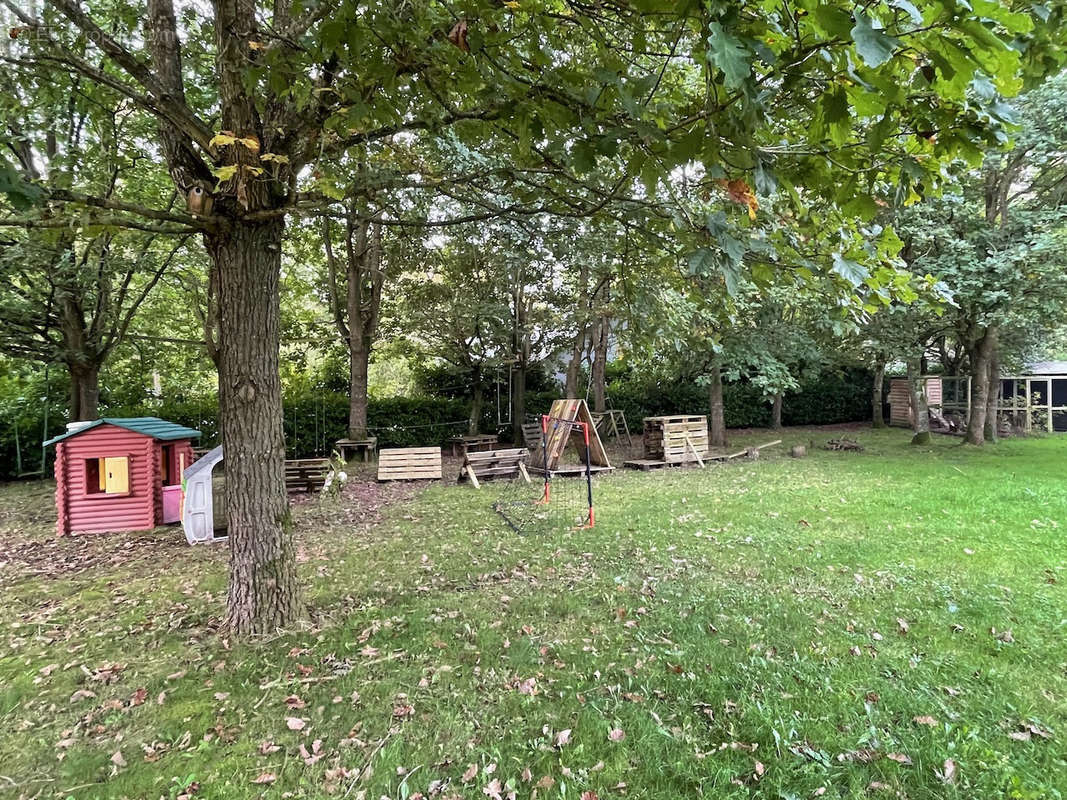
{"points": [[409, 463]]}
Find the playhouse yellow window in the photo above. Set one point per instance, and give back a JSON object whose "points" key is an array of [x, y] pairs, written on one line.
{"points": [[117, 475]]}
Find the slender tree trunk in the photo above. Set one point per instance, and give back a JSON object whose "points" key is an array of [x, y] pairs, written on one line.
{"points": [[776, 412], [877, 412], [581, 335], [359, 363], [920, 422], [570, 387], [600, 363], [518, 400], [264, 592], [477, 398], [717, 422], [981, 353], [84, 391], [992, 432]]}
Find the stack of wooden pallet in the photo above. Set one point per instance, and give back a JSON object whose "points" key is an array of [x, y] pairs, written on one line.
{"points": [[677, 439]]}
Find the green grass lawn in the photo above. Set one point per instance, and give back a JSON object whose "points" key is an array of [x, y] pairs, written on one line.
{"points": [[887, 624]]}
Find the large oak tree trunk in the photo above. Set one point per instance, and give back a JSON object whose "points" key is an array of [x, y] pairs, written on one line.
{"points": [[982, 351], [84, 391], [877, 411], [264, 592], [920, 422], [717, 422]]}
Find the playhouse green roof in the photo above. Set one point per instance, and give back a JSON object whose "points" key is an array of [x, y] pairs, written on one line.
{"points": [[149, 426]]}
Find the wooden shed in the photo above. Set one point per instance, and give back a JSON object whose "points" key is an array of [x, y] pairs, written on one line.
{"points": [[900, 399], [118, 474]]}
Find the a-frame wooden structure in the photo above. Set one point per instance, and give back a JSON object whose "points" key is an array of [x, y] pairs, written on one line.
{"points": [[560, 435]]}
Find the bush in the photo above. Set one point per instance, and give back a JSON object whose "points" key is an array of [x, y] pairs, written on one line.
{"points": [[314, 420]]}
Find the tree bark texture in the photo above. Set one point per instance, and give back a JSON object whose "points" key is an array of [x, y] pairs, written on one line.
{"points": [[920, 422], [522, 350], [581, 334], [84, 391], [981, 354], [356, 307], [992, 431], [477, 398], [264, 591], [717, 421], [877, 410], [776, 412]]}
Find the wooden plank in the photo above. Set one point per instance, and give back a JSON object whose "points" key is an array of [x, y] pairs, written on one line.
{"points": [[409, 463]]}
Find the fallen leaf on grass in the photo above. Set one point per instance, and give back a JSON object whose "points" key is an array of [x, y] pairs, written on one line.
{"points": [[589, 796], [295, 723], [493, 790], [315, 754], [265, 748], [117, 759], [468, 776], [221, 695], [82, 694], [617, 734], [528, 686], [138, 697], [527, 776], [292, 701], [546, 782], [265, 777], [563, 737], [925, 719], [948, 772], [900, 758], [902, 625]]}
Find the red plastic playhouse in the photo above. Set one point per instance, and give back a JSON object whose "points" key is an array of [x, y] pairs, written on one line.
{"points": [[120, 474]]}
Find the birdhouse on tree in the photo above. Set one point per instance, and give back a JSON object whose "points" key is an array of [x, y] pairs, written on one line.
{"points": [[117, 474]]}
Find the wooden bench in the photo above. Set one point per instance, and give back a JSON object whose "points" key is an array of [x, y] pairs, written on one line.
{"points": [[361, 447], [409, 464], [461, 445], [306, 474], [494, 464]]}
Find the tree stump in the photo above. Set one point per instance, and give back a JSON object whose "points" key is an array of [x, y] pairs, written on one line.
{"points": [[798, 451]]}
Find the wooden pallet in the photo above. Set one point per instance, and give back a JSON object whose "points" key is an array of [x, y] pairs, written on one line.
{"points": [[677, 439], [306, 474], [409, 464], [509, 463]]}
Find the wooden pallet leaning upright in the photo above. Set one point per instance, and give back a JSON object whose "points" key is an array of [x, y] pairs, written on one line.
{"points": [[559, 436]]}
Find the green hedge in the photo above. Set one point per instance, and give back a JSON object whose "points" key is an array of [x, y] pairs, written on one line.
{"points": [[315, 420]]}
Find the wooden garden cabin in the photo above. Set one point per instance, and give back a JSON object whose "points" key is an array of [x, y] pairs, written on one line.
{"points": [[116, 474]]}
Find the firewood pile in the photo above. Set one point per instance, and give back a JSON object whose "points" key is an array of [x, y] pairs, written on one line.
{"points": [[843, 443]]}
